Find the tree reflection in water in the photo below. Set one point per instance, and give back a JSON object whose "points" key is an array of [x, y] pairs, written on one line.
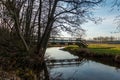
{"points": [[44, 72], [56, 75], [31, 73]]}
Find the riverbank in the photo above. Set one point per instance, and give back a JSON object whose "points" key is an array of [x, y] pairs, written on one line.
{"points": [[109, 52], [80, 69], [20, 66]]}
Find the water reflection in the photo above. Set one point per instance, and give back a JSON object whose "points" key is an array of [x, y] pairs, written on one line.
{"points": [[87, 70], [84, 69], [56, 53]]}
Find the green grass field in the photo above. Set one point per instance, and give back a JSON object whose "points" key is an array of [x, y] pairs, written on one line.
{"points": [[99, 48], [105, 48], [71, 47]]}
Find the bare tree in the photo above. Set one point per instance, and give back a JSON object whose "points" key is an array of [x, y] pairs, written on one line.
{"points": [[34, 20], [116, 7]]}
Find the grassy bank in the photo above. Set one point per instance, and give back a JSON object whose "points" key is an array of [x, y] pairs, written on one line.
{"points": [[99, 51], [20, 66], [113, 49]]}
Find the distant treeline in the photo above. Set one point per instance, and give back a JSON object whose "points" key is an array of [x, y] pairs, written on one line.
{"points": [[105, 38]]}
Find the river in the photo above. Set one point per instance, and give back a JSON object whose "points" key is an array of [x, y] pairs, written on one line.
{"points": [[86, 70]]}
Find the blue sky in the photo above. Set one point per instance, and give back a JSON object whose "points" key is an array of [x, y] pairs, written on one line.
{"points": [[108, 24]]}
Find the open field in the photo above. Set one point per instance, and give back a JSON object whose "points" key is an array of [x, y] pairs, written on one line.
{"points": [[113, 49], [105, 48], [110, 52]]}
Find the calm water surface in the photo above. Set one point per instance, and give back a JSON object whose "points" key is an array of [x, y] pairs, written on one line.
{"points": [[87, 70], [56, 53]]}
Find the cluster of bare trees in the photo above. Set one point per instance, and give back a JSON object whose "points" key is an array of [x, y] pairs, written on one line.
{"points": [[32, 21], [104, 38]]}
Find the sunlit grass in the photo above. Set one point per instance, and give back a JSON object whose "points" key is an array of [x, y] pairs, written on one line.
{"points": [[98, 48], [105, 48], [72, 47]]}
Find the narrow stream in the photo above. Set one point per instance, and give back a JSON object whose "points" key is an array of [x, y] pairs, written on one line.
{"points": [[56, 53], [87, 70]]}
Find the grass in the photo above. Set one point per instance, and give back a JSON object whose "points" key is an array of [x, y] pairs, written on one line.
{"points": [[71, 47], [105, 48], [113, 49]]}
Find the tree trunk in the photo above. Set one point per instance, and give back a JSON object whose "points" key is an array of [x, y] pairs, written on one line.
{"points": [[42, 45]]}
